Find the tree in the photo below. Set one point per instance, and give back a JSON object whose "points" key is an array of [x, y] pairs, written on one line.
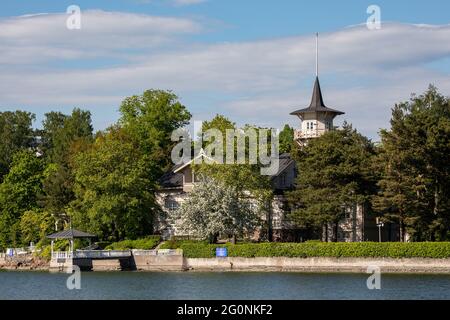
{"points": [[114, 195], [16, 133], [60, 131], [414, 162], [286, 139], [19, 193], [35, 225], [62, 137], [150, 120], [214, 209], [245, 179], [334, 174]]}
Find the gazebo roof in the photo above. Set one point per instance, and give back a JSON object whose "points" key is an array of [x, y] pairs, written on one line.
{"points": [[71, 234]]}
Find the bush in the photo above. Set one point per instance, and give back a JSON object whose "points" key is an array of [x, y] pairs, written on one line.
{"points": [[316, 249], [147, 243]]}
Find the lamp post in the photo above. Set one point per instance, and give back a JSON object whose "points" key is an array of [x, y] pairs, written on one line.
{"points": [[380, 224]]}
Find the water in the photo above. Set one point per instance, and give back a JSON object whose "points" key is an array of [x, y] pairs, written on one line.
{"points": [[223, 286]]}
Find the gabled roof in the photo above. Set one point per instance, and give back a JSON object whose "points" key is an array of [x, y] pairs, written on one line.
{"points": [[171, 180], [71, 234], [201, 154], [317, 104], [174, 178]]}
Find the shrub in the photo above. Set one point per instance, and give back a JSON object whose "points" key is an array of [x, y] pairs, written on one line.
{"points": [[317, 249], [147, 243]]}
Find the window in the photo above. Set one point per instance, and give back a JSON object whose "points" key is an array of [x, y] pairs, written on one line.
{"points": [[283, 179], [171, 204]]}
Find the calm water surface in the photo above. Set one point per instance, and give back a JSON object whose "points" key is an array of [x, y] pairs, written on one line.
{"points": [[134, 285]]}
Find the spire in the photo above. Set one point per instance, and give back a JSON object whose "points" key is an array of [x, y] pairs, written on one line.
{"points": [[317, 99], [317, 104]]}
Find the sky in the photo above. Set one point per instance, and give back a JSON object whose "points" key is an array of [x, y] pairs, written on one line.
{"points": [[250, 60]]}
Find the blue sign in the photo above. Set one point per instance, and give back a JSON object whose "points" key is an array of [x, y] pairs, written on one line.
{"points": [[221, 252]]}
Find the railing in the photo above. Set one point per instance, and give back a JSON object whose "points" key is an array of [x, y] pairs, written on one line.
{"points": [[111, 254], [299, 134], [101, 254], [61, 255], [161, 252]]}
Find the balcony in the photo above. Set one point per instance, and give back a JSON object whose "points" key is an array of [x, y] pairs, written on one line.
{"points": [[308, 134]]}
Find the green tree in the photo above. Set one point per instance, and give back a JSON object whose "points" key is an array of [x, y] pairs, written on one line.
{"points": [[35, 225], [114, 195], [414, 162], [286, 139], [62, 137], [60, 131], [16, 133], [334, 174], [150, 120], [19, 193]]}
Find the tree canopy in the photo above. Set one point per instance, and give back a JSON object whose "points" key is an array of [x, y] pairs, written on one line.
{"points": [[333, 174], [414, 163]]}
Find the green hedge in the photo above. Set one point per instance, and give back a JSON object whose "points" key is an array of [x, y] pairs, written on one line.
{"points": [[311, 249], [143, 244]]}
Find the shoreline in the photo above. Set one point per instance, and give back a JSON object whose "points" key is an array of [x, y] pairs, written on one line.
{"points": [[272, 264]]}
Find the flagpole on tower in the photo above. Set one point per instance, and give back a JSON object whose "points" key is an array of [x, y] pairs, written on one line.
{"points": [[317, 54]]}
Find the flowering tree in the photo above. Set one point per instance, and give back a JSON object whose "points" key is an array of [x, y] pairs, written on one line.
{"points": [[214, 209]]}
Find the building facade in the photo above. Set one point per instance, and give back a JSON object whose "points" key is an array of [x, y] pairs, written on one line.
{"points": [[315, 120]]}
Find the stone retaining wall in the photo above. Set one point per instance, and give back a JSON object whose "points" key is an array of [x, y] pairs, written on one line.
{"points": [[159, 262], [356, 265]]}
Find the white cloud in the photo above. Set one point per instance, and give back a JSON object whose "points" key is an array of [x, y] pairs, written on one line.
{"points": [[187, 2], [363, 72]]}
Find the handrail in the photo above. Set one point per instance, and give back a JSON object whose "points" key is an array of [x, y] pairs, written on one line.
{"points": [[106, 254], [101, 254], [299, 134]]}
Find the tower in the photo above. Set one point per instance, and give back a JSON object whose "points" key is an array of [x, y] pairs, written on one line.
{"points": [[317, 118]]}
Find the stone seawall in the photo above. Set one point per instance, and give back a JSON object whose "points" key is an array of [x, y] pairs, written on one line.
{"points": [[353, 265], [273, 264], [159, 263]]}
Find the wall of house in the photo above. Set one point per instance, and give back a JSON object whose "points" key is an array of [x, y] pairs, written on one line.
{"points": [[165, 224], [168, 226]]}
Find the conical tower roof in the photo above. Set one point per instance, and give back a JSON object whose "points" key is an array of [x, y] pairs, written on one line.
{"points": [[317, 104]]}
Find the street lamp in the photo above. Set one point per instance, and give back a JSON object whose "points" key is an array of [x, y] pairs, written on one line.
{"points": [[380, 224]]}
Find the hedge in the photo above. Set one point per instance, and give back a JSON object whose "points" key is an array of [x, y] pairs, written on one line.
{"points": [[144, 244], [312, 249]]}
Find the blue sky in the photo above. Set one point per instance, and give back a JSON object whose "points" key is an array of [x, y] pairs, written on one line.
{"points": [[250, 60]]}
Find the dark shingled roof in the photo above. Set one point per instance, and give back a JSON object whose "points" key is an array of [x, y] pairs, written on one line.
{"points": [[71, 234], [317, 104], [285, 162], [172, 180]]}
